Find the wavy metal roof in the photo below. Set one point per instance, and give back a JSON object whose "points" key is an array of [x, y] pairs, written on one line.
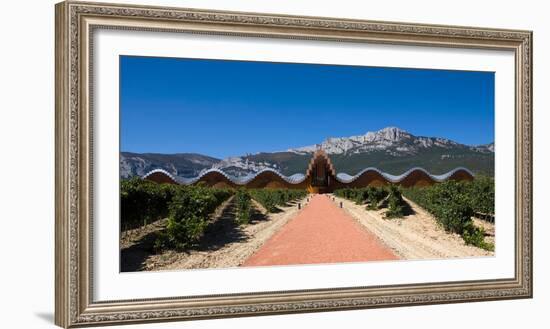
{"points": [[346, 178], [299, 178], [293, 179], [161, 171]]}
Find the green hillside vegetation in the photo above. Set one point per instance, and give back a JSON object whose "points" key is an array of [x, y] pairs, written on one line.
{"points": [[435, 160], [185, 164], [288, 163]]}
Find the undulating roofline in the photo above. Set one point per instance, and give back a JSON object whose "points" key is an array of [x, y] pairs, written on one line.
{"points": [[320, 177], [299, 178]]}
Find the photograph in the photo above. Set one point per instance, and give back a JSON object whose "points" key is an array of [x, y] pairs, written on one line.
{"points": [[233, 163], [216, 163]]}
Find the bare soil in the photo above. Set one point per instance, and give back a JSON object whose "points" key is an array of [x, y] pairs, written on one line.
{"points": [[228, 244], [488, 227], [415, 236], [225, 244]]}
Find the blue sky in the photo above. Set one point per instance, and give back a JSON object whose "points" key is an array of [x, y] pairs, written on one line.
{"points": [[223, 108]]}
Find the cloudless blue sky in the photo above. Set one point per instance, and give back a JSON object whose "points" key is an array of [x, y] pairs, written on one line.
{"points": [[224, 108]]}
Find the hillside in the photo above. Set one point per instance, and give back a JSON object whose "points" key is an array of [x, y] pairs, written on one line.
{"points": [[391, 149], [181, 164]]}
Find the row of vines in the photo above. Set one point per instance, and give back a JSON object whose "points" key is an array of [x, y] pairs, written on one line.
{"points": [[454, 204], [273, 198], [270, 199], [478, 194], [377, 198], [189, 208]]}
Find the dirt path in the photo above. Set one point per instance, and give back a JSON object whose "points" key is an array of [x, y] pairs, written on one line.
{"points": [[321, 233], [226, 244], [417, 236]]}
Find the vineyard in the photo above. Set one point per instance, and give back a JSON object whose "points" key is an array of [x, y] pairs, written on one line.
{"points": [[189, 208], [377, 198], [171, 218], [454, 203], [272, 198], [189, 215], [143, 202], [243, 206]]}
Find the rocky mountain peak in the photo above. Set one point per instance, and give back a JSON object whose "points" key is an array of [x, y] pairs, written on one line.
{"points": [[392, 139], [391, 133], [387, 145]]}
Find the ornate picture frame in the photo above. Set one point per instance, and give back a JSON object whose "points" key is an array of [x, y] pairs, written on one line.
{"points": [[75, 24]]}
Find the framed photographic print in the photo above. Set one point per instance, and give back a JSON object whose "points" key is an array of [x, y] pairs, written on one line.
{"points": [[216, 164]]}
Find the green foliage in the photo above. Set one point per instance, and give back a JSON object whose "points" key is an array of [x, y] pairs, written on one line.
{"points": [[142, 202], [481, 192], [360, 195], [271, 198], [346, 193], [430, 159], [372, 195], [396, 204], [447, 201], [243, 206], [476, 236], [265, 198], [189, 213], [451, 203]]}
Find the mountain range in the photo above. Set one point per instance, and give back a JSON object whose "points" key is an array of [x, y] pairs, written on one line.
{"points": [[391, 149]]}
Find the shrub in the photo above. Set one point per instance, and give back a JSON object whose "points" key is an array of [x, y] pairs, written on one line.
{"points": [[142, 202], [265, 199], [396, 204], [374, 196], [481, 192], [451, 204], [359, 196], [189, 213], [243, 206], [271, 198], [343, 193], [454, 215], [474, 235]]}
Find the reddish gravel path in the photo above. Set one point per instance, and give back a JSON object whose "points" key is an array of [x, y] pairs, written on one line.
{"points": [[320, 233]]}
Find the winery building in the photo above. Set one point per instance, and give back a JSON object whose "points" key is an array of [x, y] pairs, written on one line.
{"points": [[320, 177]]}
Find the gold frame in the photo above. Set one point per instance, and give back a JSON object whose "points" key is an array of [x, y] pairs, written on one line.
{"points": [[75, 23]]}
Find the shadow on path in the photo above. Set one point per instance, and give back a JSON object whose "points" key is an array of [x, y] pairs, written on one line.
{"points": [[407, 209], [133, 258], [221, 232]]}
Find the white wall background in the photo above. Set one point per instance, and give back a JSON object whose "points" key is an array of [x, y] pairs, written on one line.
{"points": [[27, 145]]}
